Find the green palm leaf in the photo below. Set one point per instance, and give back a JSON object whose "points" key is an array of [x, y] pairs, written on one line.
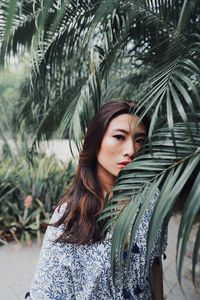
{"points": [[190, 212], [163, 169]]}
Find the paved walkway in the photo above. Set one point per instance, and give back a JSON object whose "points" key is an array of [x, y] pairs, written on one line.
{"points": [[171, 285], [17, 264]]}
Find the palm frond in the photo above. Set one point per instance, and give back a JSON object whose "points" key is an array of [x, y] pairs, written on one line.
{"points": [[192, 207], [195, 255], [17, 27], [164, 170], [173, 86]]}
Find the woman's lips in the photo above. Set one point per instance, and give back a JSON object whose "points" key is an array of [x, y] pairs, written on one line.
{"points": [[123, 163]]}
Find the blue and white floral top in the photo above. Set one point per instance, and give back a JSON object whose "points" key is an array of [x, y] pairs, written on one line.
{"points": [[71, 272]]}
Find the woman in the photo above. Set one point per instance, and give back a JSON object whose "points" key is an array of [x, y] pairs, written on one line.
{"points": [[75, 257]]}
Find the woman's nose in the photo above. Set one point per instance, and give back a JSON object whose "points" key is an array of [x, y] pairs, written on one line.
{"points": [[129, 149]]}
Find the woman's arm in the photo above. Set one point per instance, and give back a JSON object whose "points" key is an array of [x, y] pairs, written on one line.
{"points": [[157, 279], [53, 276]]}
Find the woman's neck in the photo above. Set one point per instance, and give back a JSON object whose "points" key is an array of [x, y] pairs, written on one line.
{"points": [[106, 180]]}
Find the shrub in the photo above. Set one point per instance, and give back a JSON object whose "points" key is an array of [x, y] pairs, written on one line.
{"points": [[29, 191]]}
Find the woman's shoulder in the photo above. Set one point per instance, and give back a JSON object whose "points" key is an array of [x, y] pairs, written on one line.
{"points": [[58, 212], [55, 230]]}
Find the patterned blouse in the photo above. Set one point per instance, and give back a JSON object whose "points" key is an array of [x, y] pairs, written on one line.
{"points": [[71, 272]]}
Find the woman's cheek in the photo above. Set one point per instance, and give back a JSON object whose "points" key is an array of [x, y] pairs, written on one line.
{"points": [[111, 142]]}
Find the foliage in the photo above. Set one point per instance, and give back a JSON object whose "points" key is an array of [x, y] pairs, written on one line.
{"points": [[10, 82], [170, 171], [30, 187], [87, 52]]}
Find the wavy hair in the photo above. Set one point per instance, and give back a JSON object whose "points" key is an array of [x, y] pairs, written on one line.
{"points": [[84, 198]]}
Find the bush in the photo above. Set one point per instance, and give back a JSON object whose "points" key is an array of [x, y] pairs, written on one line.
{"points": [[29, 191]]}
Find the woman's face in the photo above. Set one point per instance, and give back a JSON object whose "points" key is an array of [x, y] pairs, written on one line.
{"points": [[120, 143]]}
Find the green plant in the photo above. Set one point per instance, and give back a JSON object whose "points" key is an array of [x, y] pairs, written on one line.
{"points": [[29, 190]]}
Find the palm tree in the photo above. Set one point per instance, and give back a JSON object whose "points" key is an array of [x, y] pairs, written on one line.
{"points": [[87, 52]]}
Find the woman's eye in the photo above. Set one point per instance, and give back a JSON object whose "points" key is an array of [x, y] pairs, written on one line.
{"points": [[140, 141], [119, 137]]}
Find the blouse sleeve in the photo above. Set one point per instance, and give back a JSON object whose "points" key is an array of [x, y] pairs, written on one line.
{"points": [[158, 247], [160, 242], [53, 275]]}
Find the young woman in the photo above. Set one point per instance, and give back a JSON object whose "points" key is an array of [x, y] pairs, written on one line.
{"points": [[75, 257]]}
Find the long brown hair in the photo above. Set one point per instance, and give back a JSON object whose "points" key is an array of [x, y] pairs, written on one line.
{"points": [[84, 199]]}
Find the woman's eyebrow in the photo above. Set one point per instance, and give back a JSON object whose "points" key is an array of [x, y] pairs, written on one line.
{"points": [[136, 134], [121, 130], [140, 134]]}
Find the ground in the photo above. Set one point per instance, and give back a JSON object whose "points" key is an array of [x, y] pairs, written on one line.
{"points": [[18, 263]]}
